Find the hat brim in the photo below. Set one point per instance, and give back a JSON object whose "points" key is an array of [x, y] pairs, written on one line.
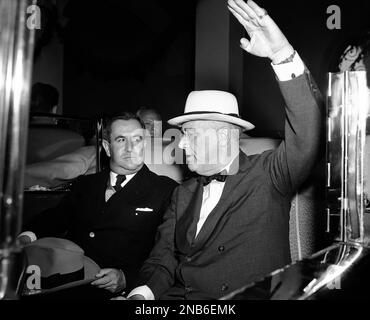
{"points": [[90, 270], [178, 121]]}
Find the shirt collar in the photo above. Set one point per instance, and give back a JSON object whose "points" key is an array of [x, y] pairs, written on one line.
{"points": [[113, 178]]}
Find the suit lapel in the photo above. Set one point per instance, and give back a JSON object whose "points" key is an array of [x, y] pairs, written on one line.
{"points": [[185, 231], [99, 187], [186, 216], [95, 195], [239, 168]]}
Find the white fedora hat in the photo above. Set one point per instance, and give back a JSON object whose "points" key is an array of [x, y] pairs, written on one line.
{"points": [[211, 105]]}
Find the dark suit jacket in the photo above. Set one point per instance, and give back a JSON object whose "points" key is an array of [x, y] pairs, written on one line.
{"points": [[246, 236], [113, 233]]}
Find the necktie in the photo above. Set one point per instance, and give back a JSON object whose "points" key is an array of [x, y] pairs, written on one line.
{"points": [[120, 179]]}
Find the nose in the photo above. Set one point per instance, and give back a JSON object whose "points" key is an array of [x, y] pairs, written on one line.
{"points": [[129, 146], [183, 142]]}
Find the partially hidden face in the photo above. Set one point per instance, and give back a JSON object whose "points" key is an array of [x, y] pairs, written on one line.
{"points": [[202, 144], [152, 122], [126, 146], [351, 59]]}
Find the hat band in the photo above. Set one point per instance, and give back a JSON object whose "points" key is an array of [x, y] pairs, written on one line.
{"points": [[202, 112], [56, 280]]}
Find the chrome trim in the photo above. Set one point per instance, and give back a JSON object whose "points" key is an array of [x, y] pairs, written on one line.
{"points": [[16, 54]]}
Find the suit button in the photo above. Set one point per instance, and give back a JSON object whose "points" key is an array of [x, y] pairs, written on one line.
{"points": [[221, 248], [91, 234], [224, 287], [187, 259]]}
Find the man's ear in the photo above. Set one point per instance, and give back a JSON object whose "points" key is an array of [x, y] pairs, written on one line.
{"points": [[106, 146], [145, 140]]}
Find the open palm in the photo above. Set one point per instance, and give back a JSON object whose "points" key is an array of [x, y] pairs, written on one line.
{"points": [[266, 39]]}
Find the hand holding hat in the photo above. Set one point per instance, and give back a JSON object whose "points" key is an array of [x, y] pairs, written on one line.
{"points": [[112, 280], [54, 264], [266, 39]]}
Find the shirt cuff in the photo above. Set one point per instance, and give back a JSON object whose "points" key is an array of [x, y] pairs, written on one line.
{"points": [[144, 291], [289, 70], [29, 234]]}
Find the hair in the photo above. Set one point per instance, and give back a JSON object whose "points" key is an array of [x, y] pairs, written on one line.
{"points": [[122, 116], [142, 110], [43, 98]]}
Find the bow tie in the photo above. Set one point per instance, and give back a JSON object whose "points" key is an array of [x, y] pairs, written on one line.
{"points": [[221, 176]]}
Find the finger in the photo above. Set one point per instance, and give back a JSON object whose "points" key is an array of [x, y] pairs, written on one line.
{"points": [[245, 44], [257, 9], [102, 273], [236, 9], [248, 25], [101, 281], [238, 16], [107, 286], [246, 9]]}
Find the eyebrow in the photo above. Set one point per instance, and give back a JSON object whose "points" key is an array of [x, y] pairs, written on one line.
{"points": [[128, 136], [119, 137]]}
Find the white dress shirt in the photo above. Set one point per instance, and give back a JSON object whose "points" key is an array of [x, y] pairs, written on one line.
{"points": [[212, 192], [211, 196]]}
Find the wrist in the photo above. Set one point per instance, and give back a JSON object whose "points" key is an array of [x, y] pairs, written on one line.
{"points": [[122, 280], [284, 55]]}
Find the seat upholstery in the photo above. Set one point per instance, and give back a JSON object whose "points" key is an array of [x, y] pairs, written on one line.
{"points": [[47, 143]]}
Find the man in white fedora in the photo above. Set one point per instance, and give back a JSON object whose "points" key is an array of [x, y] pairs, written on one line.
{"points": [[230, 225]]}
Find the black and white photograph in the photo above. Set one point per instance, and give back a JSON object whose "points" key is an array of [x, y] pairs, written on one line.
{"points": [[199, 154]]}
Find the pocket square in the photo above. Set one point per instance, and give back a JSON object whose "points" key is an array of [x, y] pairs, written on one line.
{"points": [[146, 209]]}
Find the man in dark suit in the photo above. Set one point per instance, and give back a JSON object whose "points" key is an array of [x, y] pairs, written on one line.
{"points": [[230, 226], [113, 215]]}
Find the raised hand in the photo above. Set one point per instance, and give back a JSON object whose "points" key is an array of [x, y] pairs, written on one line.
{"points": [[266, 39]]}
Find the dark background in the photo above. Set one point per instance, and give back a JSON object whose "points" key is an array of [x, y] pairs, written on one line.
{"points": [[304, 24], [128, 54]]}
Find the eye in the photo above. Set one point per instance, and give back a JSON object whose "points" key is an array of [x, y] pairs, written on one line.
{"points": [[137, 139], [120, 139]]}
